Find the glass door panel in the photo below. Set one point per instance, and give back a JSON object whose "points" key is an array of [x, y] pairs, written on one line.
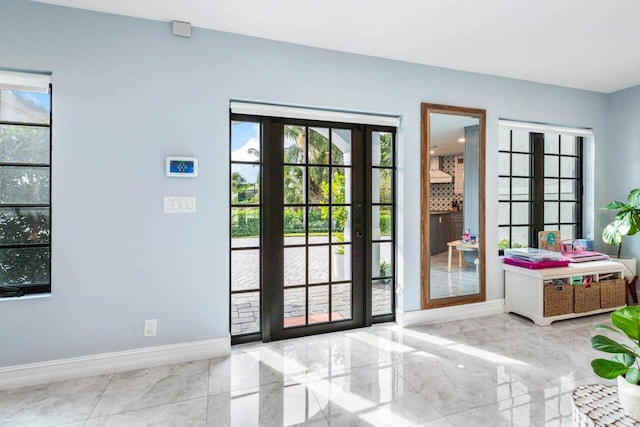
{"points": [[245, 211], [382, 233], [317, 211]]}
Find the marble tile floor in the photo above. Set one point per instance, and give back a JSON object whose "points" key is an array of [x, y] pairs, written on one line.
{"points": [[498, 370]]}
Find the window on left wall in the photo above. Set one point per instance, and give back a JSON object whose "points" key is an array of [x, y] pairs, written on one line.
{"points": [[25, 184]]}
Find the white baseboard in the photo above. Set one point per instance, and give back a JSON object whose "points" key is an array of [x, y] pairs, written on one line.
{"points": [[445, 314], [106, 363]]}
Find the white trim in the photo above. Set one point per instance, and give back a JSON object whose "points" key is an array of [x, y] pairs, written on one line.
{"points": [[12, 80], [106, 363], [544, 128], [272, 110], [25, 297], [446, 314]]}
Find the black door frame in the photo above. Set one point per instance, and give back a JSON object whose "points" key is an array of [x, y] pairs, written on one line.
{"points": [[272, 238]]}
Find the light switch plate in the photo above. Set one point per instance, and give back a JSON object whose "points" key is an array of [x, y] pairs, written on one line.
{"points": [[179, 204]]}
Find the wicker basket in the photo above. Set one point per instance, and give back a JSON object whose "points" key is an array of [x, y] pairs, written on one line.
{"points": [[558, 299], [613, 293], [586, 298]]}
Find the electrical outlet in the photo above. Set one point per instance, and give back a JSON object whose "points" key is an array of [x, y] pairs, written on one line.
{"points": [[150, 327]]}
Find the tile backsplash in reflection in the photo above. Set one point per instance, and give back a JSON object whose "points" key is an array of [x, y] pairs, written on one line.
{"points": [[442, 194]]}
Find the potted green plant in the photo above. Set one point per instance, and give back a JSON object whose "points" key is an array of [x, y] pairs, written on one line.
{"points": [[625, 223], [624, 365], [385, 270]]}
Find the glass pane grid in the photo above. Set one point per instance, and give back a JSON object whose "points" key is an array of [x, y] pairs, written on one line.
{"points": [[295, 307], [245, 210], [382, 297], [561, 164], [245, 269], [31, 107], [327, 174], [295, 144], [245, 313], [244, 182], [25, 266], [382, 148], [316, 302], [25, 144], [318, 148], [25, 174], [341, 301], [520, 141], [25, 226], [382, 235]]}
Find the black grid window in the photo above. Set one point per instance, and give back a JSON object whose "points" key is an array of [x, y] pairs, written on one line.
{"points": [[540, 186], [25, 192], [382, 214], [246, 208]]}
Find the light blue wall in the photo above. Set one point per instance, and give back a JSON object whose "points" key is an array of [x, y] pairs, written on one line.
{"points": [[127, 94], [621, 161]]}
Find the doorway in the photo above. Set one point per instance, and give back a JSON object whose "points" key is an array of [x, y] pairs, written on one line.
{"points": [[305, 257]]}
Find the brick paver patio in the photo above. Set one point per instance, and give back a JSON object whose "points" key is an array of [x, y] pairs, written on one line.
{"points": [[245, 308]]}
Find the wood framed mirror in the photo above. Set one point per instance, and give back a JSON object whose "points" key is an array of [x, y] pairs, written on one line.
{"points": [[452, 204]]}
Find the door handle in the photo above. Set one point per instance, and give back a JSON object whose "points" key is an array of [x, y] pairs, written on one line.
{"points": [[359, 234]]}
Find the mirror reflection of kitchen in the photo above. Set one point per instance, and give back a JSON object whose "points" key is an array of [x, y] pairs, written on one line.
{"points": [[454, 205]]}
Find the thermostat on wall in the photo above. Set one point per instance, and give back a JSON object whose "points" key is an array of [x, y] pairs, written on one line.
{"points": [[185, 167]]}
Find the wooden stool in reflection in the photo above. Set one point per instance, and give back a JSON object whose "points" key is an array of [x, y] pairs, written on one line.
{"points": [[460, 247]]}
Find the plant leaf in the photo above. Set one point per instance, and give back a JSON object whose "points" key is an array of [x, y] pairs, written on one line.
{"points": [[611, 235], [625, 359], [608, 368], [623, 222], [633, 195], [634, 221], [607, 328], [606, 344], [628, 320], [614, 205], [632, 376]]}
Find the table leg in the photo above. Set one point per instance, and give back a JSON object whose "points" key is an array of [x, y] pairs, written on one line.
{"points": [[460, 259], [449, 264]]}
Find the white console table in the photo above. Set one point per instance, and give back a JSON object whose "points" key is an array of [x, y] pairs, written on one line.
{"points": [[524, 288]]}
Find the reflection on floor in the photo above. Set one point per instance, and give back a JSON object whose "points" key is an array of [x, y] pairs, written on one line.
{"points": [[457, 282], [499, 370]]}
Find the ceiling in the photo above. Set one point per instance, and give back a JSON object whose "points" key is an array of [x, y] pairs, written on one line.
{"points": [[585, 44], [447, 133]]}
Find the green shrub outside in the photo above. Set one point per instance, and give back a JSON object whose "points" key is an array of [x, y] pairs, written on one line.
{"points": [[246, 222], [385, 224]]}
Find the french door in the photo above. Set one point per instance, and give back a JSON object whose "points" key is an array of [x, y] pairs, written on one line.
{"points": [[320, 259]]}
